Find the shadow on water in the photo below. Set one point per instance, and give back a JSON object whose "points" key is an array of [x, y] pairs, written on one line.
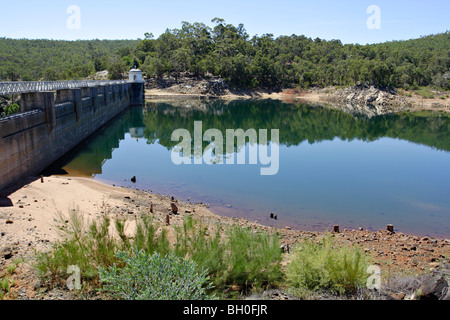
{"points": [[88, 157]]}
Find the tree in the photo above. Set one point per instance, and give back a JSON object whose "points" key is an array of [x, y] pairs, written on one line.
{"points": [[116, 68]]}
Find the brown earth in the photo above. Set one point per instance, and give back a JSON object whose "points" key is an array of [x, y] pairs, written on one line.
{"points": [[350, 99]]}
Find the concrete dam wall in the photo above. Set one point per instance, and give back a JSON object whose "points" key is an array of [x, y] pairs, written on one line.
{"points": [[50, 124]]}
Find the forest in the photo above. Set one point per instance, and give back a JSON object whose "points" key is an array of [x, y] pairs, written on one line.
{"points": [[241, 60]]}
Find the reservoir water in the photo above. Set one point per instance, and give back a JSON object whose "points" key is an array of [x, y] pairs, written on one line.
{"points": [[334, 168]]}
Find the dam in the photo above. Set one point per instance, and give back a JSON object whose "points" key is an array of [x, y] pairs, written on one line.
{"points": [[56, 116]]}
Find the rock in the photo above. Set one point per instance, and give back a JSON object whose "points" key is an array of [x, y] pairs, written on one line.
{"points": [[410, 297], [447, 296], [398, 296], [6, 252], [9, 221], [236, 287], [433, 289]]}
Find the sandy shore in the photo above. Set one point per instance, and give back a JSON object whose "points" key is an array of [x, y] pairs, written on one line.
{"points": [[324, 96], [29, 224]]}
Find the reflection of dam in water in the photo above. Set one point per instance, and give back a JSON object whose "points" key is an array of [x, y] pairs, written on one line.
{"points": [[137, 133], [88, 158], [157, 121]]}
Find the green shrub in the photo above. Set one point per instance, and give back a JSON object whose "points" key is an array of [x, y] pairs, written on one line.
{"points": [[326, 266], [85, 244], [155, 277], [252, 258], [5, 286], [425, 93], [240, 257]]}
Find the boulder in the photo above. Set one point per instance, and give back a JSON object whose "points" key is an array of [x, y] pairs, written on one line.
{"points": [[434, 289]]}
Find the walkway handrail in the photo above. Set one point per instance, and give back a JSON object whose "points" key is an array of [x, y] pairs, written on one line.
{"points": [[16, 87]]}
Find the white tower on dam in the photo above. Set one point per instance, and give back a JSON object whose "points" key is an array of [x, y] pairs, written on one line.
{"points": [[137, 87], [135, 75]]}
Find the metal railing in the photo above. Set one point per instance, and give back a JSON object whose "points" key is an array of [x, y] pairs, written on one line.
{"points": [[7, 88]]}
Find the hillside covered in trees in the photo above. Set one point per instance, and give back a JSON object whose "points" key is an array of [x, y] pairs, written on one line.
{"points": [[32, 60], [228, 51]]}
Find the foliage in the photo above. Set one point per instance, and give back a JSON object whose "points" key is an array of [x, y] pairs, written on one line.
{"points": [[327, 266], [8, 109], [237, 257], [33, 60], [87, 245], [5, 286], [12, 267], [242, 257], [155, 277], [228, 51]]}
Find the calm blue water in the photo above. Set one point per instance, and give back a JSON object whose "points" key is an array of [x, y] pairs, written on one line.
{"points": [[334, 168]]}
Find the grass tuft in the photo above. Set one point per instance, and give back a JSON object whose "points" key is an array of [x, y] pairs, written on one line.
{"points": [[327, 266]]}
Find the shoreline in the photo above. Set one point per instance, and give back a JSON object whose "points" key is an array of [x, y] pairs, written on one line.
{"points": [[35, 205], [329, 97]]}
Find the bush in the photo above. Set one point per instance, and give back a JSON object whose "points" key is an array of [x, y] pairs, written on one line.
{"points": [[324, 265], [155, 277], [85, 244], [240, 257], [425, 93], [6, 110]]}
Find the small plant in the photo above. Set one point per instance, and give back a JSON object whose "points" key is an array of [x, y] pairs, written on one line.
{"points": [[5, 286], [155, 277], [425, 93], [12, 267], [326, 266]]}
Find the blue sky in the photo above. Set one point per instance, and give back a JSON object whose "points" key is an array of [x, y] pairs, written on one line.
{"points": [[327, 19]]}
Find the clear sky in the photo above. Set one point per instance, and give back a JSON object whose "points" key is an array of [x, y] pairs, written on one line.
{"points": [[328, 19]]}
